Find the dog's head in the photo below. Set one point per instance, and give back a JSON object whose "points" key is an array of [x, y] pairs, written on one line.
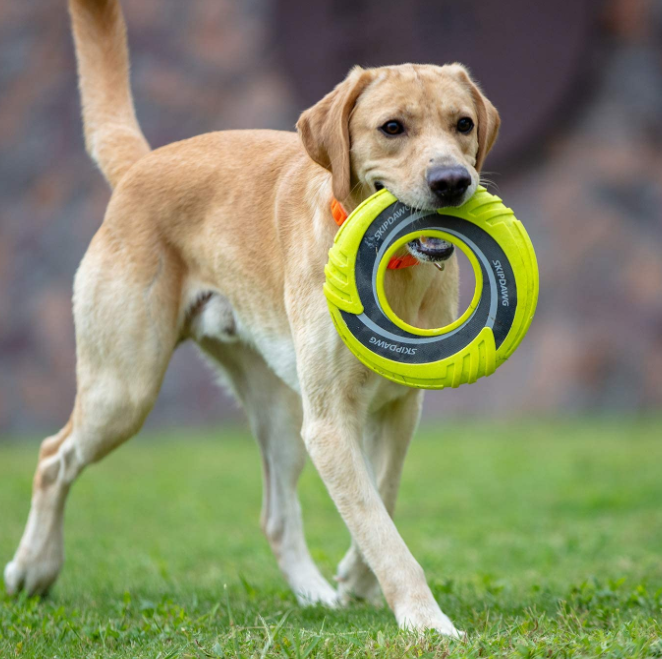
{"points": [[421, 131]]}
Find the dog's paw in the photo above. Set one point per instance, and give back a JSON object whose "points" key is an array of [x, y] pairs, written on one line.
{"points": [[34, 579], [419, 619], [317, 592], [14, 578], [356, 581], [363, 587]]}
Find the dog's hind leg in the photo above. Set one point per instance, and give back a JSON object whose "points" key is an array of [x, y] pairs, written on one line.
{"points": [[126, 332], [386, 441], [275, 416]]}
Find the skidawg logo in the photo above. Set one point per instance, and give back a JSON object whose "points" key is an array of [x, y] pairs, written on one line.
{"points": [[389, 221], [393, 347], [503, 283]]}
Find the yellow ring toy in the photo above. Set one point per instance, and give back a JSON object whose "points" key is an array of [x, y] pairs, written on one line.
{"points": [[484, 336]]}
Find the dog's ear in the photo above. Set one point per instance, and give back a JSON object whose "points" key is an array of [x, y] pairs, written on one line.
{"points": [[324, 130], [488, 117]]}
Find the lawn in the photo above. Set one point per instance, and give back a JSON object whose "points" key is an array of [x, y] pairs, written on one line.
{"points": [[538, 539]]}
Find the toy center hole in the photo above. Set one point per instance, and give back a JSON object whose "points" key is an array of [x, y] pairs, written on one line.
{"points": [[399, 298]]}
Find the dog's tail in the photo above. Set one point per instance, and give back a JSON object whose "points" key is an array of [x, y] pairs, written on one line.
{"points": [[112, 135]]}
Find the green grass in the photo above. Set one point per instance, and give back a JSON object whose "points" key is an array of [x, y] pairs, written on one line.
{"points": [[538, 539]]}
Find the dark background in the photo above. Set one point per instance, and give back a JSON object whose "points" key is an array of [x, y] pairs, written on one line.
{"points": [[579, 88]]}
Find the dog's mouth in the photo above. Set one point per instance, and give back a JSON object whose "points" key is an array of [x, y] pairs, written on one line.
{"points": [[427, 248], [430, 249]]}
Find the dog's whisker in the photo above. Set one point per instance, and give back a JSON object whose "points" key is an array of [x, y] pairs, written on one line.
{"points": [[489, 183]]}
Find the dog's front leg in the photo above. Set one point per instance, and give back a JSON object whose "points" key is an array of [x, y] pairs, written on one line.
{"points": [[333, 437], [333, 387]]}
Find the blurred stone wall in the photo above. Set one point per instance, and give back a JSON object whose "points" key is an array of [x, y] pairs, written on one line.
{"points": [[590, 194]]}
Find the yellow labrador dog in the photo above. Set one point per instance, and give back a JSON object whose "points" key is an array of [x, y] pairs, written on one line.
{"points": [[222, 239]]}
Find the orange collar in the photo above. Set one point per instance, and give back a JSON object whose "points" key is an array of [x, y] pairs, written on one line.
{"points": [[396, 263]]}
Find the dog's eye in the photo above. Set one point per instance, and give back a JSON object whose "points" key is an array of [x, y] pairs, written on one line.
{"points": [[465, 125], [392, 127]]}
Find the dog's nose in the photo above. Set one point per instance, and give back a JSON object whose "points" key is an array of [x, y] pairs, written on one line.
{"points": [[449, 183]]}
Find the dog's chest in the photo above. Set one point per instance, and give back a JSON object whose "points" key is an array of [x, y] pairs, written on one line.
{"points": [[384, 392]]}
